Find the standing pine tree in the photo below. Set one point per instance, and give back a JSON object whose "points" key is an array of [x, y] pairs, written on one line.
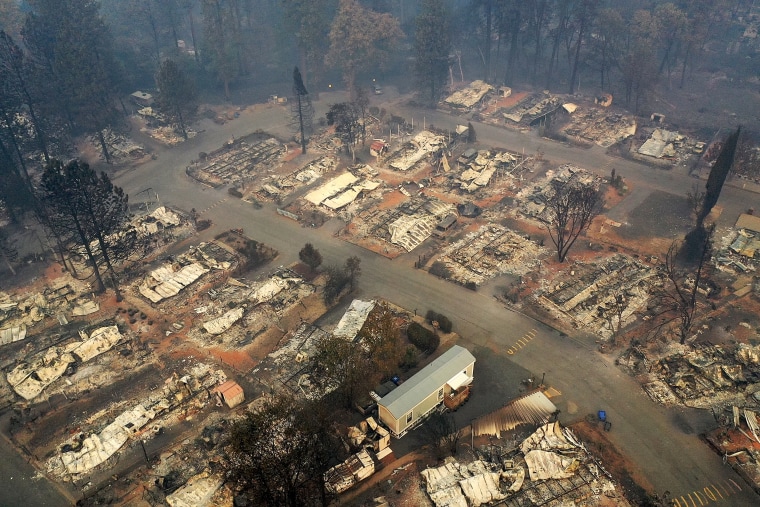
{"points": [[301, 110], [432, 45], [70, 47], [91, 214], [471, 135], [692, 248], [176, 94]]}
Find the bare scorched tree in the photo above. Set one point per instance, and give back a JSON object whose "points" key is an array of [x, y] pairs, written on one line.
{"points": [[676, 299], [570, 208]]}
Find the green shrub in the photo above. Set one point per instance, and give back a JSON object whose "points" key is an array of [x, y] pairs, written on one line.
{"points": [[409, 360], [422, 338], [444, 324]]}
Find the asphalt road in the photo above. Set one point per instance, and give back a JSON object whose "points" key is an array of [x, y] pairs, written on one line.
{"points": [[663, 442]]}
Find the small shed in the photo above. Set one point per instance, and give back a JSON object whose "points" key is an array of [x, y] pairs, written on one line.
{"points": [[230, 393], [142, 98], [378, 147]]}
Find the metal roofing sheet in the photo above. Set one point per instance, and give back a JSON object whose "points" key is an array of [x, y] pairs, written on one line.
{"points": [[427, 381], [353, 320], [459, 380], [331, 188], [533, 408]]}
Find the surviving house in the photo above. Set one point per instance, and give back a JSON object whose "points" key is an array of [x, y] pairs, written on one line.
{"points": [[412, 401]]}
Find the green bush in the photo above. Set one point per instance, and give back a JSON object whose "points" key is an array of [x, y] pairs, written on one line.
{"points": [[409, 360], [444, 324], [422, 338]]}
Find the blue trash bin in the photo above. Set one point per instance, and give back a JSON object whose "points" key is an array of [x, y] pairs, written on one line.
{"points": [[602, 415]]}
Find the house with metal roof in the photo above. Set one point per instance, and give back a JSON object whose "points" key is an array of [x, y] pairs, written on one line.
{"points": [[404, 407]]}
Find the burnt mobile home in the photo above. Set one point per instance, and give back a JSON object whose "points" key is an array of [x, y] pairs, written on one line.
{"points": [[401, 409]]}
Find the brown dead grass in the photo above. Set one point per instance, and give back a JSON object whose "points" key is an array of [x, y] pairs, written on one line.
{"points": [[506, 102], [392, 200], [623, 470]]}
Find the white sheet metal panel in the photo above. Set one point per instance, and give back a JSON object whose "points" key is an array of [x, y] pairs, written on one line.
{"points": [[459, 380], [331, 188], [532, 408]]}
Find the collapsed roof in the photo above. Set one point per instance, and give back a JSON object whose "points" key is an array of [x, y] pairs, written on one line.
{"points": [[468, 97]]}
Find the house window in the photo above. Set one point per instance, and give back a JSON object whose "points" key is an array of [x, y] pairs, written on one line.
{"points": [[440, 394], [408, 417]]}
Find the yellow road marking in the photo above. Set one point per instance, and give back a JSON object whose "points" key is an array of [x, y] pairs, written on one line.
{"points": [[522, 342], [707, 495]]}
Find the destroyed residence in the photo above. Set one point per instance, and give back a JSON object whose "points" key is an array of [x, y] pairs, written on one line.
{"points": [[603, 296], [746, 244], [415, 151], [592, 125], [470, 96], [340, 191], [277, 187], [128, 420], [239, 161], [401, 228], [668, 146], [488, 252], [550, 467], [29, 378], [532, 199], [236, 312], [531, 109], [169, 278], [291, 366], [481, 169], [24, 313]]}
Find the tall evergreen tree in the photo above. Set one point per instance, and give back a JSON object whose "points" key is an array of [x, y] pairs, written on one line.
{"points": [[360, 39], [15, 89], [432, 45], [219, 29], [309, 22], [90, 213], [302, 112], [176, 94], [692, 249], [718, 175], [72, 50]]}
